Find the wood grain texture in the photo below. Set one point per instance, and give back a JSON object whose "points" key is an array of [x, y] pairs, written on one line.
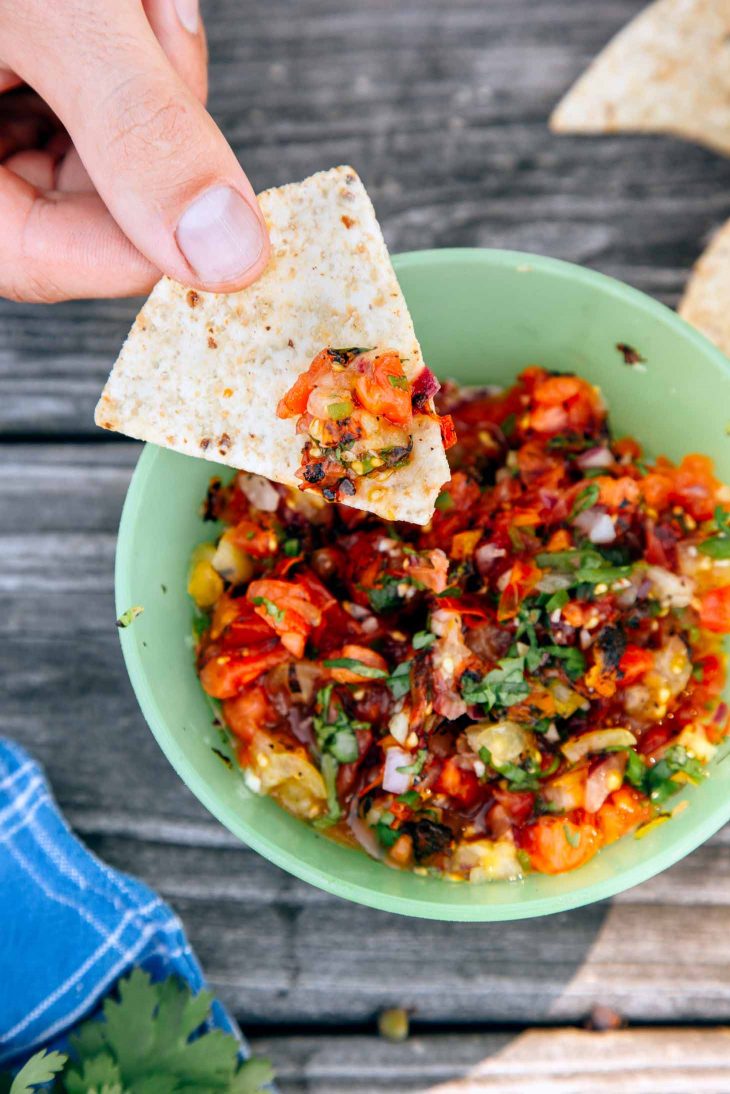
{"points": [[442, 108], [556, 1061], [277, 950]]}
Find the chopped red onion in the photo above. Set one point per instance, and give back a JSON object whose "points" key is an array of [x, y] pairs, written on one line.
{"points": [[260, 492], [364, 835], [604, 779], [720, 714], [395, 781], [425, 386], [597, 525], [595, 457], [486, 554]]}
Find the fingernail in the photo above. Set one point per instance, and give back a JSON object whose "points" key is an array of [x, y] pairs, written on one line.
{"points": [[187, 13], [220, 235]]}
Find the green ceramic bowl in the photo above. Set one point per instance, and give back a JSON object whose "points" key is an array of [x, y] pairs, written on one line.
{"points": [[481, 316]]}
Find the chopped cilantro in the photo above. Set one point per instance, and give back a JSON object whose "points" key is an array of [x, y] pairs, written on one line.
{"points": [[636, 769], [329, 767], [572, 837], [718, 546], [385, 597], [399, 681], [444, 501], [584, 500], [277, 614], [660, 783], [452, 590], [423, 639], [572, 658], [386, 835], [519, 778], [504, 686], [558, 600], [351, 663], [411, 798], [336, 736], [417, 766], [128, 617], [508, 425], [398, 381], [292, 547], [339, 411]]}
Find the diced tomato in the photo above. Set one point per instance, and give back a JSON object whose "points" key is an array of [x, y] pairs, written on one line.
{"points": [[713, 671], [565, 404], [654, 738], [555, 844], [523, 579], [463, 544], [248, 712], [622, 812], [225, 675], [615, 493], [383, 388], [448, 431], [517, 804], [635, 662], [695, 486], [429, 568], [627, 446], [255, 540], [462, 785], [560, 541], [288, 609], [294, 402], [655, 489], [715, 610]]}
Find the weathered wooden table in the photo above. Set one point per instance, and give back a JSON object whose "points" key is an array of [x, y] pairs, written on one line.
{"points": [[442, 107]]}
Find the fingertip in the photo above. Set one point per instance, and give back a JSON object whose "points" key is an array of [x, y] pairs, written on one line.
{"points": [[223, 238]]}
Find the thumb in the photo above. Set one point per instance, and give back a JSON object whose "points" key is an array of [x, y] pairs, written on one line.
{"points": [[156, 157]]}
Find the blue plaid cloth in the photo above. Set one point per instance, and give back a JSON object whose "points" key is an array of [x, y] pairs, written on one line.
{"points": [[69, 925]]}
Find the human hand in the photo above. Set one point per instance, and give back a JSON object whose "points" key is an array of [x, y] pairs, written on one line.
{"points": [[111, 169]]}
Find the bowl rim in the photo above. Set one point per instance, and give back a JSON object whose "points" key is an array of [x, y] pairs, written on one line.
{"points": [[319, 876]]}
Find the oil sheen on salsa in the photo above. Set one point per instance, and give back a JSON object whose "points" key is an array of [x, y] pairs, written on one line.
{"points": [[532, 676]]}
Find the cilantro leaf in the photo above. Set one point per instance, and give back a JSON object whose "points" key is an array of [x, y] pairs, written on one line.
{"points": [[40, 1068], [718, 546], [386, 835], [572, 837], [144, 1045], [423, 639], [291, 547], [385, 597], [400, 382], [277, 614], [354, 665], [411, 798], [504, 686], [127, 618], [416, 767], [444, 501], [573, 659], [558, 600], [584, 500], [399, 681], [659, 781]]}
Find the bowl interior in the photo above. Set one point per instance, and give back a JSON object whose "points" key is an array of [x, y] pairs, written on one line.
{"points": [[481, 316]]}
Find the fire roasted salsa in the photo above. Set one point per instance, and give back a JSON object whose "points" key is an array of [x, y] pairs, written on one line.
{"points": [[530, 677], [356, 408]]}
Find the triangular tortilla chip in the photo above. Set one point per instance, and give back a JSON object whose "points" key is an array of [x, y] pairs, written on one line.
{"points": [[202, 373], [706, 300], [667, 71]]}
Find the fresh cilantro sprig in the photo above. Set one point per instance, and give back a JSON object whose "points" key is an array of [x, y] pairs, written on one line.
{"points": [[658, 782], [718, 546], [525, 777], [334, 730], [584, 500], [152, 1040], [502, 687], [588, 566]]}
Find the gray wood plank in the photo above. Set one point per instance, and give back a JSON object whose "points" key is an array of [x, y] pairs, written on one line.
{"points": [[443, 109], [276, 949], [557, 1061]]}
